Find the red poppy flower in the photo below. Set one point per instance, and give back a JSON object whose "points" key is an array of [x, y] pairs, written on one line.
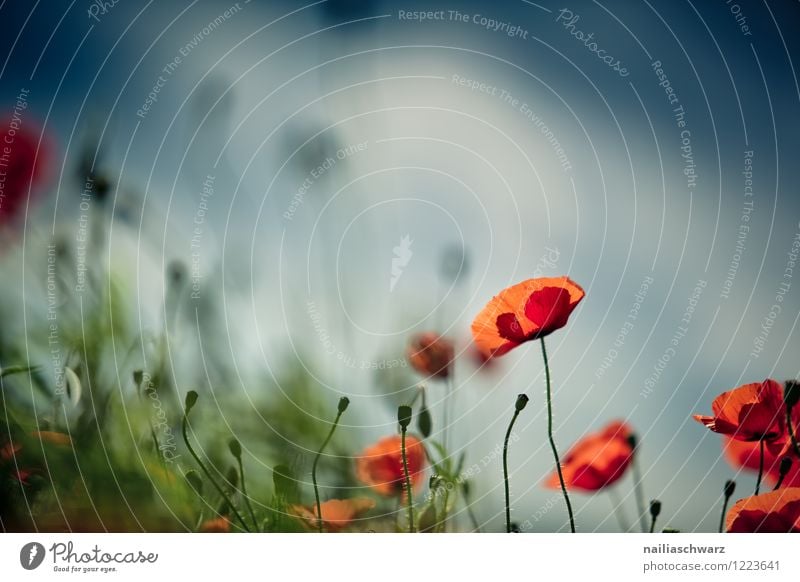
{"points": [[21, 168], [337, 514], [430, 354], [381, 465], [526, 311], [773, 512], [597, 460], [216, 525], [752, 412]]}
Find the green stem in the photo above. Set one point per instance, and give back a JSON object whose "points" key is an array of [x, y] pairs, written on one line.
{"points": [[637, 489], [552, 442], [653, 524], [314, 469], [619, 512], [505, 469], [443, 521], [760, 465], [724, 511], [468, 502], [208, 474], [244, 493], [792, 435], [408, 481]]}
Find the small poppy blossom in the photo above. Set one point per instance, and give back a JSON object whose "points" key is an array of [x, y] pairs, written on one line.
{"points": [[381, 465], [597, 460], [430, 354], [774, 512], [337, 514], [526, 311], [217, 525], [25, 167], [752, 412]]}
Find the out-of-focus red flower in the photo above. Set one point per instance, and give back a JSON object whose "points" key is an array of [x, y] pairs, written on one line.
{"points": [[23, 164], [526, 311], [752, 412], [337, 514], [773, 512], [8, 451], [52, 437], [597, 460], [381, 465], [216, 525], [430, 355]]}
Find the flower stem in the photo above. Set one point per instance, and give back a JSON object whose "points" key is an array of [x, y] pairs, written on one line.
{"points": [[468, 503], [730, 487], [619, 512], [517, 410], [760, 464], [407, 479], [792, 435], [637, 489], [552, 442], [244, 494], [314, 469], [208, 474]]}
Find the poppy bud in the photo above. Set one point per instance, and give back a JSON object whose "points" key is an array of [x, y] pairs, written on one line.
{"points": [[791, 393], [632, 441], [522, 401], [404, 416], [138, 376], [515, 527], [195, 482], [655, 508], [191, 400], [434, 482], [730, 487], [424, 420], [344, 402], [235, 447]]}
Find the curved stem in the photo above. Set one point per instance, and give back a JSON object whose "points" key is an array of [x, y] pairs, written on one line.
{"points": [[619, 512], [552, 442], [760, 465], [408, 481], [505, 469], [468, 503], [724, 511], [448, 405], [208, 475], [792, 435], [314, 469], [244, 493], [637, 489]]}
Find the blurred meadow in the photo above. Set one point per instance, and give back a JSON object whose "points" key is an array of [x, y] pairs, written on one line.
{"points": [[237, 240]]}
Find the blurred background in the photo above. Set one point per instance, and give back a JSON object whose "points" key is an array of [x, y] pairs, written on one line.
{"points": [[282, 193]]}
